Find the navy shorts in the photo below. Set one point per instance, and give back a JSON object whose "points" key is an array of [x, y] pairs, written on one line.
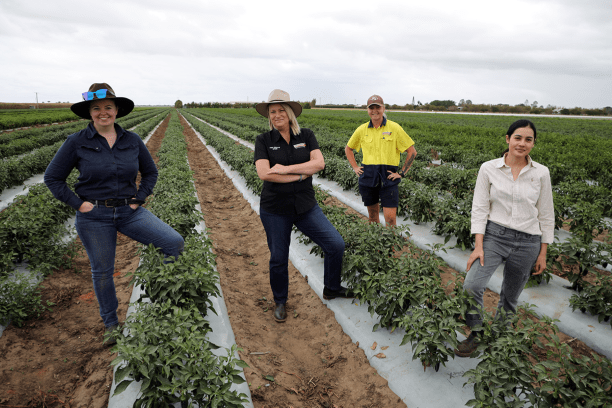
{"points": [[388, 196]]}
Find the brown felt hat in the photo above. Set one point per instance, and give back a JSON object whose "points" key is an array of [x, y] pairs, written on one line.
{"points": [[124, 105], [278, 96]]}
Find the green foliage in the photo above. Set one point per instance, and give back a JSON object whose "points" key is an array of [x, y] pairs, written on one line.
{"points": [[190, 279], [32, 229], [577, 255], [19, 300], [16, 118], [168, 351]]}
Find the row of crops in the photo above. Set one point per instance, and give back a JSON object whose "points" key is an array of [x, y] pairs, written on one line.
{"points": [[33, 231], [167, 346], [406, 292], [443, 195], [17, 118]]}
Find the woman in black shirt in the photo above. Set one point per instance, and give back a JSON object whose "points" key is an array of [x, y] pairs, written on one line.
{"points": [[286, 157]]}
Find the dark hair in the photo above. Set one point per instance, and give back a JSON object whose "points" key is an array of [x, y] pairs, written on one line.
{"points": [[521, 123]]}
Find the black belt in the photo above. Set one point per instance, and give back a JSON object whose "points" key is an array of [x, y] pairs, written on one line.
{"points": [[116, 202]]}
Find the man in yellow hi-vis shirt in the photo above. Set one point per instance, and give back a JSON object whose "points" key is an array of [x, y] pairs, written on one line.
{"points": [[382, 141]]}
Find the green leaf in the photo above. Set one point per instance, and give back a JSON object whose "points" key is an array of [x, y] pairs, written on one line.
{"points": [[122, 386]]}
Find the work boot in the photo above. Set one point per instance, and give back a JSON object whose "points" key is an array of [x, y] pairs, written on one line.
{"points": [[340, 293], [280, 315], [468, 346], [110, 335]]}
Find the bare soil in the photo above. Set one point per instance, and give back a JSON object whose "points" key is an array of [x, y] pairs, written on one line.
{"points": [[59, 360]]}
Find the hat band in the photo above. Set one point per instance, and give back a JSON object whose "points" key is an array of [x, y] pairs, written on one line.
{"points": [[99, 94]]}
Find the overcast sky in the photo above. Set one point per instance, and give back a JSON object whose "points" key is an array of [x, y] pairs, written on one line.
{"points": [[556, 52]]}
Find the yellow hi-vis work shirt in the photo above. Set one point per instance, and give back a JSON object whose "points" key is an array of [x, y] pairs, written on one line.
{"points": [[380, 146]]}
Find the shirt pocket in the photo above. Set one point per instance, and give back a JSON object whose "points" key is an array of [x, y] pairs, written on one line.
{"points": [[532, 188], [90, 154], [127, 153]]}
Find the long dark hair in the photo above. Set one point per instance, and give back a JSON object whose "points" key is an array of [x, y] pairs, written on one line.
{"points": [[521, 123]]}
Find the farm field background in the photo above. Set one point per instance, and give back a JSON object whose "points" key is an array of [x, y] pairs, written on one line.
{"points": [[333, 132]]}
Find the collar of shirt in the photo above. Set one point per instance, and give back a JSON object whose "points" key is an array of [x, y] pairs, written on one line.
{"points": [[384, 122], [276, 136], [91, 130], [501, 162]]}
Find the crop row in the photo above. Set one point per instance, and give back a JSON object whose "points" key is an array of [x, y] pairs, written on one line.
{"points": [[443, 195], [167, 346], [405, 292], [15, 170], [16, 118]]}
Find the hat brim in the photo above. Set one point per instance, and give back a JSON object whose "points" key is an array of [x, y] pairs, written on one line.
{"points": [[124, 107], [262, 108]]}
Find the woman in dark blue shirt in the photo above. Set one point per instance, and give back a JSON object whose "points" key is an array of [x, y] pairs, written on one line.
{"points": [[106, 196], [286, 157]]}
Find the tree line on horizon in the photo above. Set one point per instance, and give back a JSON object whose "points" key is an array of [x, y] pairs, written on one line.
{"points": [[435, 105]]}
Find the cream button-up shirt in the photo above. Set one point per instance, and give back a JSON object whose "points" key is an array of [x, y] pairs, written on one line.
{"points": [[524, 204]]}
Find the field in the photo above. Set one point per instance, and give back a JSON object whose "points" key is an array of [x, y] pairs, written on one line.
{"points": [[310, 354]]}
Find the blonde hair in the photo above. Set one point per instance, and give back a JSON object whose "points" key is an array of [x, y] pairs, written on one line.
{"points": [[293, 123]]}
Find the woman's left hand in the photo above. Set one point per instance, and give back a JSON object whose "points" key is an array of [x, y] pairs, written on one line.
{"points": [[278, 169], [540, 264], [393, 176]]}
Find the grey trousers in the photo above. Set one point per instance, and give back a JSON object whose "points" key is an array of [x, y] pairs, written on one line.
{"points": [[519, 251]]}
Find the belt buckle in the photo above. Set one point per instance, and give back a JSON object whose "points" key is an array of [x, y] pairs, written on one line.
{"points": [[106, 204]]}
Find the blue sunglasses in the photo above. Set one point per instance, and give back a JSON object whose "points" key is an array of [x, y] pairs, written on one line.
{"points": [[99, 94]]}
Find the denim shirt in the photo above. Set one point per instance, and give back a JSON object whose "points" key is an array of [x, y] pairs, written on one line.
{"points": [[104, 172]]}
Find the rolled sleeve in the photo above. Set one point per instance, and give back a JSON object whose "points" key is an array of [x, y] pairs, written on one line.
{"points": [[481, 202], [546, 209]]}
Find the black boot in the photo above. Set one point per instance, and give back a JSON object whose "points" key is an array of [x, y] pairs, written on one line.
{"points": [[280, 315]]}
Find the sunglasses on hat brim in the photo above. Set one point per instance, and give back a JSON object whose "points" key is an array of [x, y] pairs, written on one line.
{"points": [[99, 94]]}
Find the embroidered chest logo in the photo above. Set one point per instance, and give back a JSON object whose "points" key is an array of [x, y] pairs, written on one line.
{"points": [[299, 146], [274, 147], [385, 134]]}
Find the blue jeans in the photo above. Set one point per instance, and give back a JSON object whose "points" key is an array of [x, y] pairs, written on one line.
{"points": [[519, 251], [98, 231], [315, 226]]}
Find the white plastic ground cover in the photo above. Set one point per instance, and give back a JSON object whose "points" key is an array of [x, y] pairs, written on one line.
{"points": [[406, 377], [222, 335]]}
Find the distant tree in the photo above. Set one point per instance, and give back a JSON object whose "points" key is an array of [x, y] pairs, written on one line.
{"points": [[534, 104], [468, 102], [461, 102], [313, 103], [607, 110], [178, 104], [306, 105], [445, 103], [565, 111], [526, 102]]}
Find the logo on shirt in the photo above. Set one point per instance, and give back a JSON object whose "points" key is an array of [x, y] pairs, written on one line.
{"points": [[274, 147], [299, 146]]}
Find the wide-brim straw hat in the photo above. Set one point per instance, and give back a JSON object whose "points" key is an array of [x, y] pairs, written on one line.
{"points": [[124, 105], [278, 96]]}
